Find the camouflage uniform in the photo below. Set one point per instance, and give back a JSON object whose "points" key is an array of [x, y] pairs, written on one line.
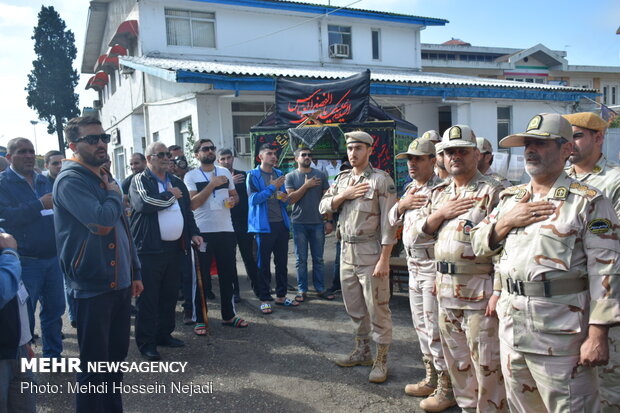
{"points": [[499, 178], [464, 284], [541, 335], [421, 265], [363, 226], [606, 177]]}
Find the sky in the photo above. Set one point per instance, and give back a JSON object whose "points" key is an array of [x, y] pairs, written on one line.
{"points": [[586, 31]]}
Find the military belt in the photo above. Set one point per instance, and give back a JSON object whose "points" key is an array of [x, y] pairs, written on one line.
{"points": [[421, 253], [356, 239], [463, 268], [547, 288]]}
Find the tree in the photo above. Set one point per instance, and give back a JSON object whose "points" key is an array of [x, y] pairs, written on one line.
{"points": [[52, 82]]}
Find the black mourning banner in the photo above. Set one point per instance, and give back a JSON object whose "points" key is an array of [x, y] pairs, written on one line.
{"points": [[337, 101]]}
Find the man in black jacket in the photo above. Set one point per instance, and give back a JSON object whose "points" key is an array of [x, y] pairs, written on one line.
{"points": [[162, 225]]}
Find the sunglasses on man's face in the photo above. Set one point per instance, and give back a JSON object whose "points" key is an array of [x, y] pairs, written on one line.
{"points": [[94, 139], [207, 149], [162, 155], [305, 155]]}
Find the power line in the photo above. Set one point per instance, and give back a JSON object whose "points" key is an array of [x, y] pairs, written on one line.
{"points": [[291, 27]]}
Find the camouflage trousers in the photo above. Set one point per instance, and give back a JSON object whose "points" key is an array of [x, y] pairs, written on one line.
{"points": [[609, 375], [366, 299], [537, 383], [424, 309], [471, 349]]}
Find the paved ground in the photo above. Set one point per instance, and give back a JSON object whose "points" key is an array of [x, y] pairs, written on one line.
{"points": [[281, 363]]}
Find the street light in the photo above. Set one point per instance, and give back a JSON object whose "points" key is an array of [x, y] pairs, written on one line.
{"points": [[34, 123]]}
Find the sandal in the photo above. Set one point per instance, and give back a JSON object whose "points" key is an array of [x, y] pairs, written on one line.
{"points": [[300, 297], [326, 295], [288, 303], [200, 329], [265, 308], [237, 322]]}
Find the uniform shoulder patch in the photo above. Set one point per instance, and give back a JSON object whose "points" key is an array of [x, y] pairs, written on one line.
{"points": [[342, 174], [599, 226], [442, 183], [490, 181], [518, 191], [391, 188], [584, 190]]}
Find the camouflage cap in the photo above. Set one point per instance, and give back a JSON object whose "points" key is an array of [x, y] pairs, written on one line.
{"points": [[432, 135], [459, 136], [484, 145], [358, 137], [419, 147], [587, 120], [542, 126]]}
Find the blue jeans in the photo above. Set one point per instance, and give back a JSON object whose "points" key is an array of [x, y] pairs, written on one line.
{"points": [[313, 234], [44, 282]]}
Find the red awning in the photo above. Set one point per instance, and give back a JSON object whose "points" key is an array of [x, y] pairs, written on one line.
{"points": [[117, 50], [110, 64], [98, 81], [100, 61], [126, 31]]}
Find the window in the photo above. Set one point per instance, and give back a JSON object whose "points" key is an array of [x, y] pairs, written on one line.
{"points": [[190, 28], [376, 38], [244, 116], [155, 138], [119, 163], [183, 130], [528, 79], [112, 83], [504, 121], [339, 41], [613, 95], [605, 95]]}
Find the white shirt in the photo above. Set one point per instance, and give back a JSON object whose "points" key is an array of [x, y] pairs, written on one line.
{"points": [[212, 215], [170, 219]]}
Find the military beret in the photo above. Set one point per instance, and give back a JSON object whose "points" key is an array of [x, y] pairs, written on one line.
{"points": [[587, 120], [548, 126], [358, 137]]}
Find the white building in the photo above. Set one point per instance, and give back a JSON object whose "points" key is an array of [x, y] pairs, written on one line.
{"points": [[209, 66]]}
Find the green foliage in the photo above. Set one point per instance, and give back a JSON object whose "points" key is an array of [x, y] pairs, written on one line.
{"points": [[189, 147], [615, 123], [52, 81]]}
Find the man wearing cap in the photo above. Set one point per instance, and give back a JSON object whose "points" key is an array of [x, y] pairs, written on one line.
{"points": [[435, 138], [486, 160], [464, 282], [558, 276], [421, 263], [589, 165], [363, 196]]}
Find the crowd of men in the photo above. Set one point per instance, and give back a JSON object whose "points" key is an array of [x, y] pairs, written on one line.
{"points": [[512, 289]]}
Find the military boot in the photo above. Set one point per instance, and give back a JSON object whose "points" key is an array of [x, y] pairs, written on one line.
{"points": [[360, 356], [427, 386], [442, 397], [379, 371]]}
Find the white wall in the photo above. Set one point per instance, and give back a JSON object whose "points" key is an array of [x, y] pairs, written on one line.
{"points": [[249, 33], [423, 115]]}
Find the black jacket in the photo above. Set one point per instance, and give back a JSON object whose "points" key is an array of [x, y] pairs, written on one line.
{"points": [[146, 201]]}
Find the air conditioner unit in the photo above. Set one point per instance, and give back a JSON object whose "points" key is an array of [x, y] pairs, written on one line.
{"points": [[338, 50], [97, 104]]}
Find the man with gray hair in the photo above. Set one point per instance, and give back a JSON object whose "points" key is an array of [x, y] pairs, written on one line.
{"points": [[26, 207], [162, 225]]}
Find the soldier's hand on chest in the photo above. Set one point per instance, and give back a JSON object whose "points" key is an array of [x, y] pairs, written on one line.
{"points": [[355, 190], [454, 207], [526, 213]]}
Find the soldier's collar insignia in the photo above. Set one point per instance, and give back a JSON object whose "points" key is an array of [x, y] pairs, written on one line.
{"points": [[534, 123], [599, 226], [560, 193], [455, 133], [521, 193], [597, 169]]}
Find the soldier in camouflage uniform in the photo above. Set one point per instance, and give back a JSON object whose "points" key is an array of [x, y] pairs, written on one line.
{"points": [[421, 263], [559, 266], [590, 166], [464, 282], [363, 196], [486, 160]]}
